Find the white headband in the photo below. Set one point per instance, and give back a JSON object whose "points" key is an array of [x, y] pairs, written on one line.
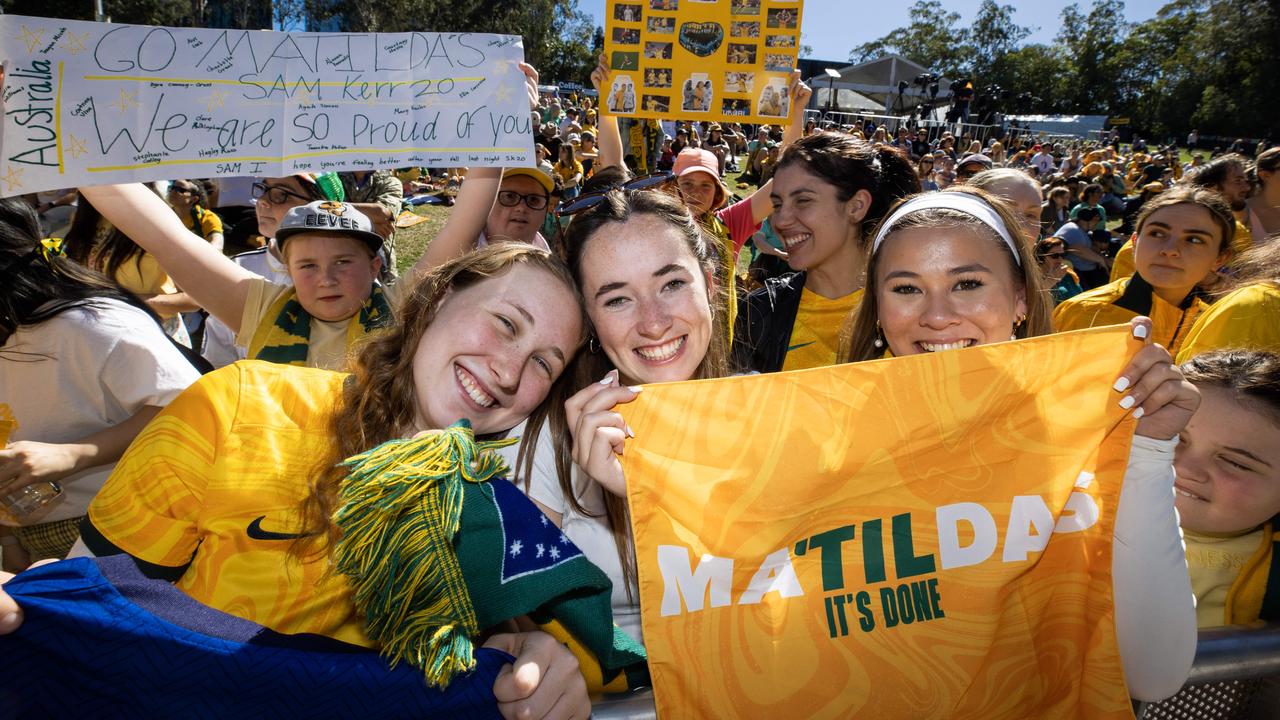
{"points": [[960, 202]]}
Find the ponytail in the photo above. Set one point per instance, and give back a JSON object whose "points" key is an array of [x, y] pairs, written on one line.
{"points": [[852, 165]]}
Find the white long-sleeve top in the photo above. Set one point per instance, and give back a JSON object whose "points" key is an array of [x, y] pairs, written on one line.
{"points": [[1155, 609]]}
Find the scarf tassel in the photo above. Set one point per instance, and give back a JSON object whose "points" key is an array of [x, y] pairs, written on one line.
{"points": [[400, 509]]}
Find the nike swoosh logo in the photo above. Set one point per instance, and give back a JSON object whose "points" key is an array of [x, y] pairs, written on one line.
{"points": [[797, 347], [256, 532]]}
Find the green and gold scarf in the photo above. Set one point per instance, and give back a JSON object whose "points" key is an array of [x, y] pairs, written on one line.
{"points": [[284, 331]]}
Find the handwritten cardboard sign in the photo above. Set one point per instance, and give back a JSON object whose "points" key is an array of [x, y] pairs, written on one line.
{"points": [[701, 59], [92, 103]]}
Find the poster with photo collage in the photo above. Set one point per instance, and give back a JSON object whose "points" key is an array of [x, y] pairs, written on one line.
{"points": [[723, 60]]}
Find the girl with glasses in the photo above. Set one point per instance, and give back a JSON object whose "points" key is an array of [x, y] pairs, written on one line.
{"points": [[1059, 277]]}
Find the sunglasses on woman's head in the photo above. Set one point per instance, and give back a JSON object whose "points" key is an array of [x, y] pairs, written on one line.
{"points": [[590, 200], [1053, 255]]}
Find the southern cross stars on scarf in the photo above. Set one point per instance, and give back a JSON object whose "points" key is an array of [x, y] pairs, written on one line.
{"points": [[437, 547]]}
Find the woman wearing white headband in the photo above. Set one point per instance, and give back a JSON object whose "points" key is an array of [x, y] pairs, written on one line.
{"points": [[950, 270]]}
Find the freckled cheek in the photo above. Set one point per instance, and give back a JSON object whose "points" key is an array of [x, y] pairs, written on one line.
{"points": [[612, 328]]}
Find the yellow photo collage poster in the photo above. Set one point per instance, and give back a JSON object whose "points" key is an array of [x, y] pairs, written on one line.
{"points": [[701, 59]]}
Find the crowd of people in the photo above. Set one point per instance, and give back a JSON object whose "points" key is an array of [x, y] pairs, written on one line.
{"points": [[555, 293]]}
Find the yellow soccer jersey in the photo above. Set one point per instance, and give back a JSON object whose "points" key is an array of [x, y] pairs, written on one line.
{"points": [[216, 480], [1247, 318], [815, 335], [1121, 301]]}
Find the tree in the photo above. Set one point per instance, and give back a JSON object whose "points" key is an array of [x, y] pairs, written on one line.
{"points": [[993, 36], [557, 35], [1035, 72], [1092, 47], [143, 12], [929, 39]]}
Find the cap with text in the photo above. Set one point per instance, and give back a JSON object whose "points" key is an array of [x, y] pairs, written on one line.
{"points": [[329, 216]]}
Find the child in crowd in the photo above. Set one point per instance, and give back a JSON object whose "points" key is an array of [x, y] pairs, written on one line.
{"points": [[1228, 486], [331, 253]]}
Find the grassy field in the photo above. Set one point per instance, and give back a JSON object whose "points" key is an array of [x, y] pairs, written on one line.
{"points": [[411, 242]]}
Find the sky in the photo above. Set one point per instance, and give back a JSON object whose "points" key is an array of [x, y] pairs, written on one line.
{"points": [[834, 27]]}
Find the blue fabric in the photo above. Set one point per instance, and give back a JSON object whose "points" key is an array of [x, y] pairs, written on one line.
{"points": [[85, 650], [1073, 236], [533, 542]]}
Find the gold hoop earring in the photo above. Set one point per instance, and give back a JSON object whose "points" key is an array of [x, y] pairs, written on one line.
{"points": [[1017, 323]]}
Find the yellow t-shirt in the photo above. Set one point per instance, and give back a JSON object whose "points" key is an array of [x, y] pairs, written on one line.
{"points": [[1097, 307], [567, 172], [1122, 264], [1215, 563], [815, 336], [327, 348], [209, 221], [1246, 318], [216, 480], [144, 276]]}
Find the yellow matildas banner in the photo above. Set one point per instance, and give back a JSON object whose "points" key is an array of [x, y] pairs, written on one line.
{"points": [[921, 537]]}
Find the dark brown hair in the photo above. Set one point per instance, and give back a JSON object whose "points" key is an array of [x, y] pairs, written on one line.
{"points": [[1251, 376], [851, 165]]}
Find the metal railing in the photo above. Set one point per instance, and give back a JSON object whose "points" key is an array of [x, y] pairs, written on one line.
{"points": [[1236, 676]]}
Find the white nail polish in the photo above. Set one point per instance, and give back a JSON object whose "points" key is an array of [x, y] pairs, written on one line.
{"points": [[635, 388], [1127, 402], [1140, 332], [608, 378], [1121, 385], [1139, 413]]}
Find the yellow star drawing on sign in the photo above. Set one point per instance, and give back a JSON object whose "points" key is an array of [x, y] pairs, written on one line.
{"points": [[33, 39], [76, 146], [126, 101], [501, 66], [13, 178], [302, 95], [75, 42], [503, 93], [215, 99]]}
